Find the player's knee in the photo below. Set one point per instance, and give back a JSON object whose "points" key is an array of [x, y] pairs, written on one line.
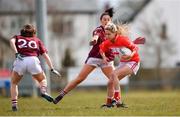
{"points": [[39, 77], [110, 82], [13, 82], [113, 75]]}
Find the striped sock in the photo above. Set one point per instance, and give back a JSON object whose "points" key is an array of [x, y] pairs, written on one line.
{"points": [[14, 102], [109, 101], [62, 93]]}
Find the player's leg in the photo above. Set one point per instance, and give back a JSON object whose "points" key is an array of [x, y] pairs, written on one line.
{"points": [[34, 67], [86, 70], [71, 85], [117, 90], [41, 78], [119, 74], [110, 86], [15, 78]]}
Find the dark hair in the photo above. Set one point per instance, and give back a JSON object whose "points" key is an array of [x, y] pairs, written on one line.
{"points": [[109, 12], [28, 30]]}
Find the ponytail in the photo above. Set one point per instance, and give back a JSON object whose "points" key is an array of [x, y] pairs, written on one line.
{"points": [[109, 12], [122, 29]]}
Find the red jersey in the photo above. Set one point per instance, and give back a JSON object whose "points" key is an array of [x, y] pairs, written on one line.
{"points": [[94, 52], [121, 41], [29, 46]]}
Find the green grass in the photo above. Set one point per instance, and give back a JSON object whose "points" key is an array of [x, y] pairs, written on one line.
{"points": [[87, 103]]}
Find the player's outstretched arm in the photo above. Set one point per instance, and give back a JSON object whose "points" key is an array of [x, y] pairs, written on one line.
{"points": [[93, 40], [48, 60], [49, 63]]}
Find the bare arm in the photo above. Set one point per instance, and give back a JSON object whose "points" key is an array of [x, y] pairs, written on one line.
{"points": [[12, 43], [102, 54], [105, 59], [48, 60]]}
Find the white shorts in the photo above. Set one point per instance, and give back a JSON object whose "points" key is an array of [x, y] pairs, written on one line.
{"points": [[132, 64], [29, 64], [97, 62]]}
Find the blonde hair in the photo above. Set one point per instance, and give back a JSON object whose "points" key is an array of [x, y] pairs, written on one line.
{"points": [[120, 29]]}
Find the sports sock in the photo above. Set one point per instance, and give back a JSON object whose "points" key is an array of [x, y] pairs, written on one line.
{"points": [[117, 95], [43, 86], [109, 100], [63, 93], [60, 96], [14, 102]]}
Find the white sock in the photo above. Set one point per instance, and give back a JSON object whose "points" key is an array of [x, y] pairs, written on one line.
{"points": [[43, 86]]}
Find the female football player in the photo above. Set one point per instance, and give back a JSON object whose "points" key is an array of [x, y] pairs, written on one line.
{"points": [[95, 60], [129, 64], [27, 48]]}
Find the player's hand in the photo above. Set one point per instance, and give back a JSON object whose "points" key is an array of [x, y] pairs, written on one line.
{"points": [[105, 60], [93, 42], [18, 56], [126, 57], [55, 72]]}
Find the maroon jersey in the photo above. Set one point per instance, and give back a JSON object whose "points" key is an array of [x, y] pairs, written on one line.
{"points": [[94, 52], [29, 46]]}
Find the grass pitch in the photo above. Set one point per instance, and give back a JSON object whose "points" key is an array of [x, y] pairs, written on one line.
{"points": [[87, 103]]}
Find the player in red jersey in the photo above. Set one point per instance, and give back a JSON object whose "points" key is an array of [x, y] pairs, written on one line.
{"points": [[95, 60], [129, 64], [27, 47]]}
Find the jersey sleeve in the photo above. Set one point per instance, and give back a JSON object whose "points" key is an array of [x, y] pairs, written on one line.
{"points": [[42, 48], [104, 46], [129, 44], [97, 31]]}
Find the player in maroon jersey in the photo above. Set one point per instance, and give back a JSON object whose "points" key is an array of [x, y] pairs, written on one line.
{"points": [[94, 58], [27, 48]]}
